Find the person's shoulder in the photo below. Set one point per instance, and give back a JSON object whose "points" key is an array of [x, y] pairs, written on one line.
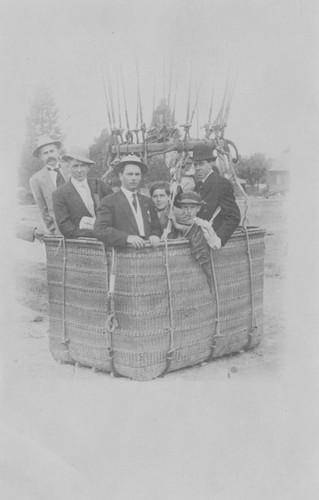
{"points": [[218, 179], [111, 198], [144, 197], [62, 190], [37, 174], [106, 188]]}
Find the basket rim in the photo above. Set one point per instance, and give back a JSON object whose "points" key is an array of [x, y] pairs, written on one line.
{"points": [[239, 232]]}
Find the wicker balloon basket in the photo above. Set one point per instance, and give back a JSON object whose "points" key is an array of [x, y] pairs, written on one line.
{"points": [[143, 313]]}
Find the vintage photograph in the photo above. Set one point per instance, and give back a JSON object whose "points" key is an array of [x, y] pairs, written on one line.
{"points": [[158, 279]]}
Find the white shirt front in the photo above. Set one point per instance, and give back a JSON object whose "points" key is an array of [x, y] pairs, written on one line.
{"points": [[85, 193], [137, 213]]}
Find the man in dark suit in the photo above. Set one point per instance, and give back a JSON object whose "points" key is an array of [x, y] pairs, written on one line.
{"points": [[128, 217], [217, 194], [75, 202]]}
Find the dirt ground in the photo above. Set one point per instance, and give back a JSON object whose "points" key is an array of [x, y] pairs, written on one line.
{"points": [[222, 430]]}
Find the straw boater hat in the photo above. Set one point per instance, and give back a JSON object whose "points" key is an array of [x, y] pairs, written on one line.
{"points": [[191, 197], [202, 151], [131, 159], [44, 140], [77, 154]]}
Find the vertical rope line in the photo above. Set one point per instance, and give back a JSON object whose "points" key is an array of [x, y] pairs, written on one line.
{"points": [[253, 314], [171, 347], [66, 340], [111, 323], [217, 318]]}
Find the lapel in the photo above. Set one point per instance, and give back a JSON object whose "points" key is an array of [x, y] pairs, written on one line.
{"points": [[74, 199], [145, 211], [95, 196], [46, 179], [126, 209], [209, 183], [65, 172]]}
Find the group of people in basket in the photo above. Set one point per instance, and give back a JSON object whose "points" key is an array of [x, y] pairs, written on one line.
{"points": [[74, 205]]}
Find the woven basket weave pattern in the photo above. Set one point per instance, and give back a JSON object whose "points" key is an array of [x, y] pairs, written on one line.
{"points": [[144, 292]]}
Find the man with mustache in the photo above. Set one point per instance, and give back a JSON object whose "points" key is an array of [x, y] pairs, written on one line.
{"points": [[127, 217], [48, 179]]}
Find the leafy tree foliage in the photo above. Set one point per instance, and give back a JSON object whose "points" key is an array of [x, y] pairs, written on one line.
{"points": [[163, 117], [253, 168], [98, 153], [43, 119], [158, 170]]}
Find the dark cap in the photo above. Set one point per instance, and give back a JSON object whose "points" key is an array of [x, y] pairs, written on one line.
{"points": [[190, 197]]}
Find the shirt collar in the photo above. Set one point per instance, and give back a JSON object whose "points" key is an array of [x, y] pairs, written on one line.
{"points": [[128, 194], [79, 184], [58, 166]]}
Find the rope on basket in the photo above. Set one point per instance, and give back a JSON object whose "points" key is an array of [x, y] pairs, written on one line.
{"points": [[111, 323], [217, 318], [66, 339], [253, 314], [59, 246], [171, 348]]}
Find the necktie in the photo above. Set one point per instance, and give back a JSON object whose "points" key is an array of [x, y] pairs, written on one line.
{"points": [[59, 178], [134, 202]]}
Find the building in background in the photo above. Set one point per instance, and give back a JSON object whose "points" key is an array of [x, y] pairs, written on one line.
{"points": [[278, 176]]}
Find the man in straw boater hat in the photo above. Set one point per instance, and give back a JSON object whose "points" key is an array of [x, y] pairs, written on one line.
{"points": [[127, 217], [219, 205], [51, 176], [75, 202]]}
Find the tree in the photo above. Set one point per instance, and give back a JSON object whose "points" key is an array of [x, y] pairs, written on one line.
{"points": [[98, 153], [163, 117], [43, 119], [253, 168]]}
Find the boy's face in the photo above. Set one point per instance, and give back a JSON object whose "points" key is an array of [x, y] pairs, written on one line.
{"points": [[160, 199], [190, 210]]}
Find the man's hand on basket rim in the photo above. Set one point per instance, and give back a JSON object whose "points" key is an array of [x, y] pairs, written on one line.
{"points": [[135, 241], [154, 240]]}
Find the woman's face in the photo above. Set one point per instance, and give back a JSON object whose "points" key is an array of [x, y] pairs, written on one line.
{"points": [[160, 199]]}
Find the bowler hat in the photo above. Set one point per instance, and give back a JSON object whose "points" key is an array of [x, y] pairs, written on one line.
{"points": [[191, 197], [44, 140], [130, 159], [202, 151], [76, 153]]}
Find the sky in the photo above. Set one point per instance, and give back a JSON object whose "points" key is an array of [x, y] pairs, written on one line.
{"points": [[269, 46]]}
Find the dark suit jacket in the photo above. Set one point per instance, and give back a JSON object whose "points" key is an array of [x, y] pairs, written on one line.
{"points": [[218, 192], [115, 220], [69, 207]]}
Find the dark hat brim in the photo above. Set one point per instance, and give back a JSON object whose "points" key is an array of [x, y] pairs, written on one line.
{"points": [[190, 202]]}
